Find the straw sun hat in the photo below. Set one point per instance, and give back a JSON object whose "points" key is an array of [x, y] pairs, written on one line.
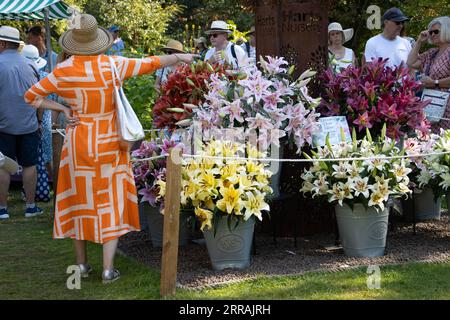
{"points": [[86, 39], [8, 164], [348, 33], [174, 46]]}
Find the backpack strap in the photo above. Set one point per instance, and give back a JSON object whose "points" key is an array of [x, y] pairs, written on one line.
{"points": [[247, 47], [233, 53]]}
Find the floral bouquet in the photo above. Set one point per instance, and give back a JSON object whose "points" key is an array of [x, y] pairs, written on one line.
{"points": [[373, 95], [229, 188], [187, 85], [149, 174], [264, 103], [370, 182], [431, 171]]}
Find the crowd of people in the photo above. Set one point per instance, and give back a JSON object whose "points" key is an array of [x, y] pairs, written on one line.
{"points": [[95, 199]]}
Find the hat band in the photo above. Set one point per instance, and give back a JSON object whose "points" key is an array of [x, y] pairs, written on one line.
{"points": [[84, 36], [10, 38], [218, 29]]}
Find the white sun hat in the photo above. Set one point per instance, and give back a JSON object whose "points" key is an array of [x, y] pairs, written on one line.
{"points": [[32, 53], [335, 26], [9, 34]]}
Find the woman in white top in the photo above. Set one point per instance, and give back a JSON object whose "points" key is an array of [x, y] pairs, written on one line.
{"points": [[173, 46], [340, 57]]}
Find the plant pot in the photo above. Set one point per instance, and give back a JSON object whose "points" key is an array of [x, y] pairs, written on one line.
{"points": [[230, 249], [143, 210], [156, 226], [363, 232], [275, 168], [425, 206]]}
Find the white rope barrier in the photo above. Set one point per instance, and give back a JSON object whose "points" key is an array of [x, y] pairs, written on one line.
{"points": [[317, 160], [149, 159]]}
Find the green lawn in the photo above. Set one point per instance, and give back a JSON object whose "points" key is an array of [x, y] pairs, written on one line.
{"points": [[33, 266]]}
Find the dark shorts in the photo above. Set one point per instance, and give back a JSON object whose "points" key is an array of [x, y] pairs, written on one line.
{"points": [[23, 148]]}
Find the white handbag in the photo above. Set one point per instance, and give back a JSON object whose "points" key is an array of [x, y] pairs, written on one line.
{"points": [[130, 128]]}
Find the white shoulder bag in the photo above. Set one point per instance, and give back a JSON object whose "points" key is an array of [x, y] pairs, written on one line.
{"points": [[130, 128]]}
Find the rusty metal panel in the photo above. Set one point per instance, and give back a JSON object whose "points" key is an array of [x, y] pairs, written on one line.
{"points": [[294, 29]]}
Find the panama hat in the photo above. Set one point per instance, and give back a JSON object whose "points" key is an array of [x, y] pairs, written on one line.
{"points": [[87, 38], [32, 53], [200, 40], [335, 26], [9, 34], [218, 27], [8, 164], [252, 30], [173, 45]]}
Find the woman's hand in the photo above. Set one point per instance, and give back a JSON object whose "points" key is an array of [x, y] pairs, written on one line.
{"points": [[186, 57], [427, 82], [423, 37], [72, 121]]}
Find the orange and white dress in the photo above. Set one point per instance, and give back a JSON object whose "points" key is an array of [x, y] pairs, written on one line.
{"points": [[96, 196]]}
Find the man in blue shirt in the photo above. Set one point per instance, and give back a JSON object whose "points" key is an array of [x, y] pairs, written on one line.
{"points": [[19, 137], [118, 45]]}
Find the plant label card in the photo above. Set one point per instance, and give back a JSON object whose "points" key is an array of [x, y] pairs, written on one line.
{"points": [[332, 126], [436, 109]]}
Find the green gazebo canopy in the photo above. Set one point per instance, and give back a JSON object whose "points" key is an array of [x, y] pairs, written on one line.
{"points": [[33, 9]]}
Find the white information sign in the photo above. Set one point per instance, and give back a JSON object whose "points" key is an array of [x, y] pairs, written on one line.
{"points": [[436, 109], [332, 126]]}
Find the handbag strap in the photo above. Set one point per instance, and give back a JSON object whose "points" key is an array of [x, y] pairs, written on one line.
{"points": [[115, 73]]}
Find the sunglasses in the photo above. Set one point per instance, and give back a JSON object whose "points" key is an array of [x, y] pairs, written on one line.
{"points": [[399, 22], [431, 32], [214, 35]]}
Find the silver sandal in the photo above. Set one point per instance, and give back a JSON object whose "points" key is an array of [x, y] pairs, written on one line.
{"points": [[109, 276], [85, 269]]}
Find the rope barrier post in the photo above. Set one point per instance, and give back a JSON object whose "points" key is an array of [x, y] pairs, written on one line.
{"points": [[171, 224]]}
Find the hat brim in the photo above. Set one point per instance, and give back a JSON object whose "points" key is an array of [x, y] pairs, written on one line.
{"points": [[399, 19], [41, 63], [171, 49], [218, 31], [101, 44], [348, 34], [8, 164], [9, 40]]}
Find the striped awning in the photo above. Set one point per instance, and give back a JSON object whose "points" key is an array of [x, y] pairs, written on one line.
{"points": [[33, 9]]}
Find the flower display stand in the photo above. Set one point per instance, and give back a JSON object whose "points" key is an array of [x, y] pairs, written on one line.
{"points": [[426, 207], [362, 232], [230, 249], [156, 225]]}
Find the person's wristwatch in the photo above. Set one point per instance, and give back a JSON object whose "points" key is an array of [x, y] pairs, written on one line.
{"points": [[436, 83]]}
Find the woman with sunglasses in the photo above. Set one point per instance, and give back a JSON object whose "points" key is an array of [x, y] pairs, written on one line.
{"points": [[172, 47], [434, 64]]}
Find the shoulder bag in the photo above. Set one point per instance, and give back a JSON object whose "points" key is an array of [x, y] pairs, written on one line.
{"points": [[129, 126]]}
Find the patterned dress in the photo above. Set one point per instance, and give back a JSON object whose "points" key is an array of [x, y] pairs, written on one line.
{"points": [[437, 68], [96, 196]]}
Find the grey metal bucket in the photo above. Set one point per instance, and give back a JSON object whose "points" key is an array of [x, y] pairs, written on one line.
{"points": [[230, 249], [362, 232], [156, 226], [425, 206]]}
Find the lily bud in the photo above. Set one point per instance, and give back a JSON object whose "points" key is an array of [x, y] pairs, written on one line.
{"points": [[184, 123], [307, 74], [177, 110]]}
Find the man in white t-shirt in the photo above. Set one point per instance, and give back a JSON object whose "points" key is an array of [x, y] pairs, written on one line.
{"points": [[250, 47], [389, 44], [222, 49]]}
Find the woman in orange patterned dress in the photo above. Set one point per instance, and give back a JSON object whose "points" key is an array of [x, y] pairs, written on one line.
{"points": [[96, 197]]}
